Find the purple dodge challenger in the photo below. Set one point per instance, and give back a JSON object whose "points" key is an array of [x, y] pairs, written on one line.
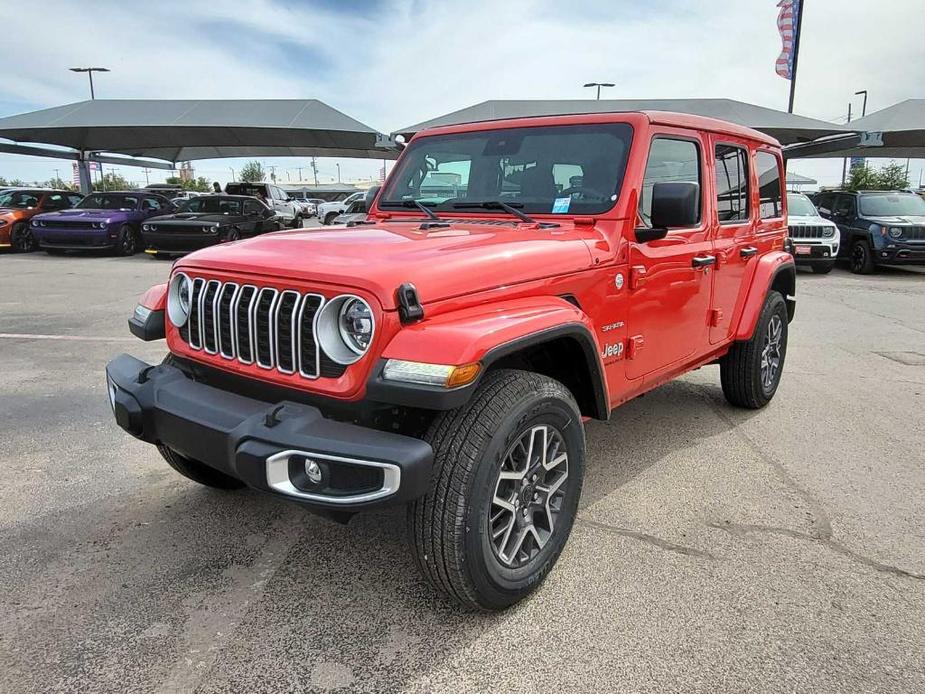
{"points": [[100, 220]]}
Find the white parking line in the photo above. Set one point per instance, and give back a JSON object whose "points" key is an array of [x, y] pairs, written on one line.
{"points": [[72, 338]]}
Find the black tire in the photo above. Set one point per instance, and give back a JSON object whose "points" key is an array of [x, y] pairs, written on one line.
{"points": [[823, 268], [234, 234], [745, 383], [451, 526], [21, 238], [198, 472], [297, 222], [127, 241], [330, 217], [861, 258]]}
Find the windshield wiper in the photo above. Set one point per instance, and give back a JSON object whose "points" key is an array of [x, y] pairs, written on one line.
{"points": [[498, 205], [412, 203]]}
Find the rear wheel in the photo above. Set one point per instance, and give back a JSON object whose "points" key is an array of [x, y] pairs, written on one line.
{"points": [[861, 260], [507, 476], [198, 472], [823, 268], [21, 238], [751, 371], [127, 241]]}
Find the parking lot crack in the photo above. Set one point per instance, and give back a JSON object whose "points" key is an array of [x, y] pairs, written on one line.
{"points": [[743, 529], [647, 538]]}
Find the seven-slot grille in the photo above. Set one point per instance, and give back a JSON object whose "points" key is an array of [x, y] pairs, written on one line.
{"points": [[807, 232], [913, 233], [272, 328]]}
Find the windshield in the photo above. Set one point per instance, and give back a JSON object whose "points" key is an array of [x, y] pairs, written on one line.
{"points": [[896, 205], [21, 199], [214, 205], [108, 201], [800, 206], [563, 169]]}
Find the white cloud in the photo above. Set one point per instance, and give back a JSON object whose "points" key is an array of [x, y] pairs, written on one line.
{"points": [[405, 61]]}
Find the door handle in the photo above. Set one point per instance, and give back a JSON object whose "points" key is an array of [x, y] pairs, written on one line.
{"points": [[703, 260], [748, 252]]}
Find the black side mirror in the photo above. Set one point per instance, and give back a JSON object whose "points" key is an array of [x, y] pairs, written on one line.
{"points": [[268, 214], [674, 204], [371, 194]]}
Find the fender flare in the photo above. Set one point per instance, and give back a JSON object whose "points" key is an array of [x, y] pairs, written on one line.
{"points": [[776, 270], [151, 326], [487, 334]]}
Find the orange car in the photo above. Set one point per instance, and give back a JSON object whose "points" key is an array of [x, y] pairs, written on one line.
{"points": [[19, 205]]}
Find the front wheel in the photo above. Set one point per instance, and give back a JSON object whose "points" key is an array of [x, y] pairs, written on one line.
{"points": [[297, 222], [330, 217], [127, 241], [861, 261], [21, 238], [751, 371], [507, 476]]}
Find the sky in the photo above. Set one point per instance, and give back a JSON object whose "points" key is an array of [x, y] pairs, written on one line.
{"points": [[392, 63]]}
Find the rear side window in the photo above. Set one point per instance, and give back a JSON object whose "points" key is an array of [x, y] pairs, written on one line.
{"points": [[731, 183], [769, 188], [669, 160]]}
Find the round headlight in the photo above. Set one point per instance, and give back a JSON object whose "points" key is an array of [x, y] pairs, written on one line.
{"points": [[178, 298], [146, 227], [208, 229], [828, 232], [345, 328], [896, 232]]}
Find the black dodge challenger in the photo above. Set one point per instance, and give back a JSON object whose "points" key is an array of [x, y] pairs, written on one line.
{"points": [[207, 220]]}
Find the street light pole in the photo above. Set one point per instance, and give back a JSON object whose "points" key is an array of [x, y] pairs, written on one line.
{"points": [[599, 85], [233, 179], [864, 105], [90, 71], [338, 172]]}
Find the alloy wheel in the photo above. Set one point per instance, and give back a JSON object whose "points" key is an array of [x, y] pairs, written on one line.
{"points": [[528, 495], [770, 352], [128, 242], [23, 240], [858, 257]]}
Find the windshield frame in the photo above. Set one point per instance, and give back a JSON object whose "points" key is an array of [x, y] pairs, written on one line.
{"points": [[623, 130], [867, 197], [802, 197]]}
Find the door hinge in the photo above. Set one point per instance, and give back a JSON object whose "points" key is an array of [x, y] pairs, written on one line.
{"points": [[637, 276], [716, 317], [635, 344]]}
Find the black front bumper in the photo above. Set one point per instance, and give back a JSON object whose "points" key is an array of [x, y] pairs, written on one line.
{"points": [[177, 243], [900, 254], [268, 445]]}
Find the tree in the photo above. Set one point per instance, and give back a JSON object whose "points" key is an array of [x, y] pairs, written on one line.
{"points": [[893, 177], [113, 181], [198, 185], [252, 172], [3, 182], [58, 184], [890, 177]]}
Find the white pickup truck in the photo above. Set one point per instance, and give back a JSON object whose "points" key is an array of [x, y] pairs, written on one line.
{"points": [[329, 210]]}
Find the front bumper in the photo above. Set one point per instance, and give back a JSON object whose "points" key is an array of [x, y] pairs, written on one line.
{"points": [[898, 253], [813, 252], [175, 244], [268, 446], [74, 240]]}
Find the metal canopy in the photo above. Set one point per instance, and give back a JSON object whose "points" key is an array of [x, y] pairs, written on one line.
{"points": [[785, 127], [181, 130], [897, 131]]}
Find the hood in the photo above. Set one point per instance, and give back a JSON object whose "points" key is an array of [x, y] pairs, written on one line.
{"points": [[904, 219], [441, 263], [87, 215], [799, 220], [194, 218]]}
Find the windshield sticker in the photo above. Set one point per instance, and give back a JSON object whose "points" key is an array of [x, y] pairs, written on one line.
{"points": [[560, 205]]}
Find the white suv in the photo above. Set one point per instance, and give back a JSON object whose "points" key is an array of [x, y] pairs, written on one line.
{"points": [[329, 210], [815, 239]]}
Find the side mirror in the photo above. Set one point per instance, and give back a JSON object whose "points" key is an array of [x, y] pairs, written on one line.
{"points": [[674, 204], [269, 214], [371, 194]]}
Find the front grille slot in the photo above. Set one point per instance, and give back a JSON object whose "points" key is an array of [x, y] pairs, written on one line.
{"points": [[225, 320], [207, 316], [272, 328], [194, 322], [807, 232], [264, 324]]}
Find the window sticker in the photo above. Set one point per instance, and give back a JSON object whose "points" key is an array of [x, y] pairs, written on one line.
{"points": [[560, 205]]}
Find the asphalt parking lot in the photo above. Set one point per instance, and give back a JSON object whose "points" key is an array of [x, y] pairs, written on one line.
{"points": [[716, 550]]}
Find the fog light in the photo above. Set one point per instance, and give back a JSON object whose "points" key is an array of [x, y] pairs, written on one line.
{"points": [[312, 471]]}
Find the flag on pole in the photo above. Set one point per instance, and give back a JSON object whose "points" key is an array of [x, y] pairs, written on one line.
{"points": [[787, 26]]}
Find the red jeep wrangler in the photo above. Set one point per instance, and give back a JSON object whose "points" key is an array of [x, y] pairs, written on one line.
{"points": [[514, 278]]}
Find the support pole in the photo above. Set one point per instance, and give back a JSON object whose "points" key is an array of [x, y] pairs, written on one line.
{"points": [[83, 171], [796, 54]]}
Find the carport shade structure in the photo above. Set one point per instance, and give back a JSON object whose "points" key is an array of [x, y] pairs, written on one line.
{"points": [[897, 131], [182, 130], [788, 128]]}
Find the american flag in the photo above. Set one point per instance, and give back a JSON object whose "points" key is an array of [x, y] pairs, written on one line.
{"points": [[786, 24]]}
